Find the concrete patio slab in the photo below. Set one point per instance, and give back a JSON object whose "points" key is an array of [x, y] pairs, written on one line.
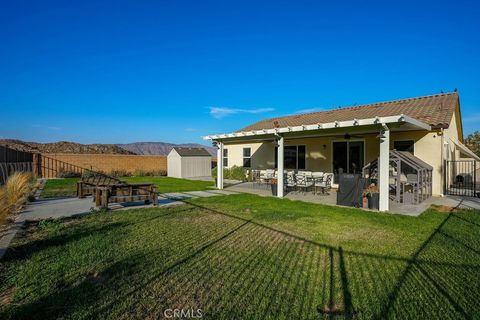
{"points": [[56, 208]]}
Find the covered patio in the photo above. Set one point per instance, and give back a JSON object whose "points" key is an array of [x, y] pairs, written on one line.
{"points": [[353, 155]]}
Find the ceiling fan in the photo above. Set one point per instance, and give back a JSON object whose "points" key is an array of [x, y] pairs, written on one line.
{"points": [[348, 136]]}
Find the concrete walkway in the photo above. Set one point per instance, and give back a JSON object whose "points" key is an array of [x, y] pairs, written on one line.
{"points": [[68, 207]]}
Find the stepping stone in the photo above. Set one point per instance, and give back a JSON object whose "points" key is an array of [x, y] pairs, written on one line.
{"points": [[224, 192]]}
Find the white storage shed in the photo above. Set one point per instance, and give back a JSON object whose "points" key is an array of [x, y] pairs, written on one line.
{"points": [[189, 163]]}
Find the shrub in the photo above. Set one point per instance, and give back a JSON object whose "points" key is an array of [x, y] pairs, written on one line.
{"points": [[62, 173], [14, 193], [120, 173], [88, 174], [150, 173], [234, 173]]}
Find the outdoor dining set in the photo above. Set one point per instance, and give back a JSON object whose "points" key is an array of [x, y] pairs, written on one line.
{"points": [[295, 180]]}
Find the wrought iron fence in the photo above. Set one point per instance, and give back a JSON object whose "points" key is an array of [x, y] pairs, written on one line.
{"points": [[461, 178]]}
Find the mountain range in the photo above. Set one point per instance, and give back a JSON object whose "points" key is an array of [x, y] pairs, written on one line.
{"points": [[161, 148], [141, 148]]}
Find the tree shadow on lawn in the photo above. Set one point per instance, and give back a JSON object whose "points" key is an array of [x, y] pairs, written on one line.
{"points": [[249, 270], [26, 250]]}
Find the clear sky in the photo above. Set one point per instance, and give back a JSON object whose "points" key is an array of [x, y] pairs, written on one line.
{"points": [[125, 71]]}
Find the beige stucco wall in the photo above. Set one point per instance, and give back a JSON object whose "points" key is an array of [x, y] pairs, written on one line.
{"points": [[319, 152]]}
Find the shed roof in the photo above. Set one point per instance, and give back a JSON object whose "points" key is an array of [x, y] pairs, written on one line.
{"points": [[435, 110], [192, 152]]}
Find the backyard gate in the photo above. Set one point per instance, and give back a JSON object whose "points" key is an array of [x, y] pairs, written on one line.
{"points": [[461, 177]]}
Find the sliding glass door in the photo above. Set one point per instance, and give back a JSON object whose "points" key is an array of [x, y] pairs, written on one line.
{"points": [[348, 157]]}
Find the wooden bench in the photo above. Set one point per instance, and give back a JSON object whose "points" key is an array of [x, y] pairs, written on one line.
{"points": [[125, 192], [86, 186]]}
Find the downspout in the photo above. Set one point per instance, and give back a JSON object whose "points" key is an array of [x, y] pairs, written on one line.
{"points": [[442, 165]]}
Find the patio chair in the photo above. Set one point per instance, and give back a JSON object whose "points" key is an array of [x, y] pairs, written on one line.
{"points": [[290, 183], [325, 184], [317, 174], [256, 180], [303, 183], [266, 176], [305, 173]]}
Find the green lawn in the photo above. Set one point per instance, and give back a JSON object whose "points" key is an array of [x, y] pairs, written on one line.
{"points": [[168, 184], [67, 187], [54, 188], [244, 256]]}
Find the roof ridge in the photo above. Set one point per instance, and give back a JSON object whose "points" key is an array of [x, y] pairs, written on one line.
{"points": [[364, 105]]}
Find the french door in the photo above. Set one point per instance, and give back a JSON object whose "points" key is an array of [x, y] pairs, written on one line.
{"points": [[348, 157]]}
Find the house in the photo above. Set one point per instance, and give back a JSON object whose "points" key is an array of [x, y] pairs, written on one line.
{"points": [[189, 163], [347, 139]]}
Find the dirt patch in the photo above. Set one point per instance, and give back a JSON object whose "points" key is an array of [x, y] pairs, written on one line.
{"points": [[444, 209], [6, 296]]}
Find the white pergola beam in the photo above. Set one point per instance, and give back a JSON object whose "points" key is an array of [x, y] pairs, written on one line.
{"points": [[383, 168], [220, 165], [320, 126], [280, 157]]}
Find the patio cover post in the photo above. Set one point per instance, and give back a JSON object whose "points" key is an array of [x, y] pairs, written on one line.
{"points": [[219, 165], [280, 167], [383, 168]]}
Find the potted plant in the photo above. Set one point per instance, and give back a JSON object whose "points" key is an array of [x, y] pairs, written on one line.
{"points": [[274, 186], [214, 176], [373, 197]]}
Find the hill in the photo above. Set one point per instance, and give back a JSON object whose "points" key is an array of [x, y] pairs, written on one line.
{"points": [[143, 148], [64, 147], [161, 148]]}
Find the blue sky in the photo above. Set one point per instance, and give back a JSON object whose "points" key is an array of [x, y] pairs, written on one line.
{"points": [[125, 71]]}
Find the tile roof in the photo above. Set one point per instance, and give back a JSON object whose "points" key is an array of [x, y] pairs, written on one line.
{"points": [[192, 152], [435, 110]]}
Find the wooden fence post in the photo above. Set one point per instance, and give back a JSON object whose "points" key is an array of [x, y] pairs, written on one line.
{"points": [[37, 165]]}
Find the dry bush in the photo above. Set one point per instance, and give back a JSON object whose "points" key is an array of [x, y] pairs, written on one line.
{"points": [[4, 208], [14, 193]]}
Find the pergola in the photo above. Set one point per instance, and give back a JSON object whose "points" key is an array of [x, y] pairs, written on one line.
{"points": [[381, 125]]}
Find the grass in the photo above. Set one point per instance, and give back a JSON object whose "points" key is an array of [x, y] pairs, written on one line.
{"points": [[67, 187], [62, 187], [244, 256], [168, 184]]}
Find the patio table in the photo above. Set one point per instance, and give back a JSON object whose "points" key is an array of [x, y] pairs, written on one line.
{"points": [[314, 181]]}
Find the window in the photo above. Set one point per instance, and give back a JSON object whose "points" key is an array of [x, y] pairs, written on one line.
{"points": [[404, 145], [247, 157], [225, 157], [293, 157]]}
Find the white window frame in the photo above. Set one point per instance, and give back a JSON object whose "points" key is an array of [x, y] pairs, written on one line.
{"points": [[225, 158], [249, 157]]}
